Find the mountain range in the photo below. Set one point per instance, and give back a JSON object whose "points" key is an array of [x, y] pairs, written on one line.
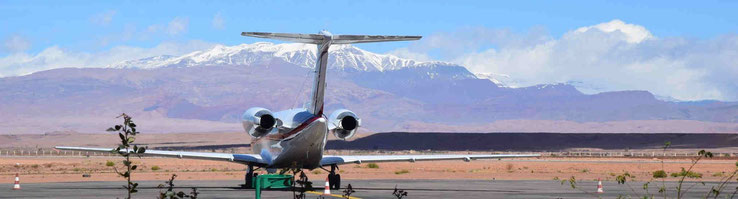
{"points": [[209, 90]]}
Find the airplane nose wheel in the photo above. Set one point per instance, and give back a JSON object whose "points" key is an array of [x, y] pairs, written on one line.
{"points": [[334, 179]]}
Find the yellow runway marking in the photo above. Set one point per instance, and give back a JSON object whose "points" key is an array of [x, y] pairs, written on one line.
{"points": [[334, 195]]}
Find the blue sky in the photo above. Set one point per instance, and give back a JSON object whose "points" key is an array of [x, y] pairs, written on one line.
{"points": [[680, 49], [73, 25]]}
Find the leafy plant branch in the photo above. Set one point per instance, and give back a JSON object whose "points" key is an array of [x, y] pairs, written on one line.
{"points": [[127, 134]]}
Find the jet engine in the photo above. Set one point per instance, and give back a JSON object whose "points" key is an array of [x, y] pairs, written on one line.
{"points": [[343, 123], [259, 121]]}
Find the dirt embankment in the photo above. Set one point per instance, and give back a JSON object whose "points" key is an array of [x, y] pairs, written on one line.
{"points": [[534, 141]]}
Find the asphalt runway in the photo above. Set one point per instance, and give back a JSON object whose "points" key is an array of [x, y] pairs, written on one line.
{"points": [[364, 189]]}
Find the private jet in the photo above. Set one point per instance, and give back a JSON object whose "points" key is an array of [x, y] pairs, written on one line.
{"points": [[296, 138]]}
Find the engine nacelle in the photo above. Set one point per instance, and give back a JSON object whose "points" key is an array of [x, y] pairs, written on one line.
{"points": [[258, 121], [343, 123]]}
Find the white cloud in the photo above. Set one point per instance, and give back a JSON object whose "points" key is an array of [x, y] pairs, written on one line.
{"points": [[605, 57], [218, 21], [103, 18], [16, 43], [57, 57], [407, 54], [178, 25], [633, 33]]}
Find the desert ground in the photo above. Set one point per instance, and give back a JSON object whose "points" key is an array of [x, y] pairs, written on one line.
{"points": [[70, 169], [45, 171], [65, 168]]}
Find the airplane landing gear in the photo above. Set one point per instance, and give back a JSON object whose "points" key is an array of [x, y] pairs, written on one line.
{"points": [[249, 178], [334, 179]]}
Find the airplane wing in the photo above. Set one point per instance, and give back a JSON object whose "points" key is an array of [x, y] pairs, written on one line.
{"points": [[346, 159], [253, 159]]}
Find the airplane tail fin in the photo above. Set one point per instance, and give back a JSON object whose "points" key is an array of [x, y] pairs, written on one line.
{"points": [[336, 39], [324, 40]]}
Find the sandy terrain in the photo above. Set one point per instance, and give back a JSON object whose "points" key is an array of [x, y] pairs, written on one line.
{"points": [[70, 169]]}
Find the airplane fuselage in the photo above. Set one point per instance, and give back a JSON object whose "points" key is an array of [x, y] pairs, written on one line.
{"points": [[298, 143]]}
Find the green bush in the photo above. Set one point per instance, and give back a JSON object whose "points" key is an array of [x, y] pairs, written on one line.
{"points": [[109, 163], [659, 174], [372, 166], [404, 171], [688, 174], [155, 168]]}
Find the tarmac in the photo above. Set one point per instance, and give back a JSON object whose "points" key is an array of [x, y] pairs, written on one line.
{"points": [[366, 189]]}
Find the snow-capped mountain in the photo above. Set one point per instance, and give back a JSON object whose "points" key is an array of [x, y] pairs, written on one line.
{"points": [[499, 79], [388, 92], [341, 57]]}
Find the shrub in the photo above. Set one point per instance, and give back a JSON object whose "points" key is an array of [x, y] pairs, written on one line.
{"points": [[155, 168], [659, 174], [109, 163], [404, 171], [316, 172], [372, 166], [127, 134], [688, 174], [509, 167]]}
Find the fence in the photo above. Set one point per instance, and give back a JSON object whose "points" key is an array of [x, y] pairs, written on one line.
{"points": [[627, 154], [58, 153], [51, 153]]}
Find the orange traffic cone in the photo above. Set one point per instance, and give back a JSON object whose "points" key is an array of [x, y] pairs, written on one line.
{"points": [[17, 185], [327, 187], [599, 186]]}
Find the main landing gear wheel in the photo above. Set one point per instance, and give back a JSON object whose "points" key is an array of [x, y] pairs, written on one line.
{"points": [[334, 179], [249, 178]]}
